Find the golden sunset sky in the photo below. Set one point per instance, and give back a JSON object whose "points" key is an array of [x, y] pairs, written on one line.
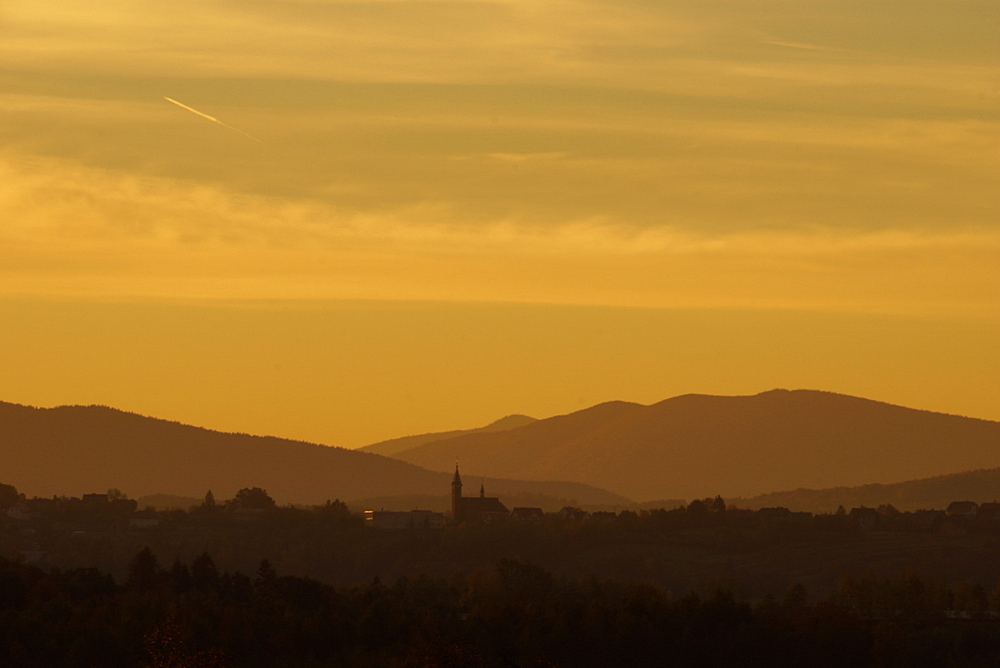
{"points": [[462, 209]]}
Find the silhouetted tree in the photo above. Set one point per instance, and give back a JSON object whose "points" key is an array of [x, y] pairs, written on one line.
{"points": [[8, 496], [204, 574], [143, 570], [718, 505], [180, 576], [265, 575], [252, 498], [209, 500], [697, 507], [336, 507]]}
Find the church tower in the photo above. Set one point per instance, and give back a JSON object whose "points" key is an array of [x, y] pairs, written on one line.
{"points": [[456, 495]]}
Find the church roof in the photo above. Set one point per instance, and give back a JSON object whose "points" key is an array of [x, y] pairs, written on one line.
{"points": [[482, 504], [457, 480]]}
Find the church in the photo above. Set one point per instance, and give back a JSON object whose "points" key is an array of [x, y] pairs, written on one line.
{"points": [[481, 510]]}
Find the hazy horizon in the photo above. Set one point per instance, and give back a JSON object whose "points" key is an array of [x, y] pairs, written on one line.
{"points": [[466, 425], [779, 443], [470, 428], [461, 209]]}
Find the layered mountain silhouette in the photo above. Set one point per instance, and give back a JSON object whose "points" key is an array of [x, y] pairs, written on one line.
{"points": [[74, 450], [395, 445], [929, 493], [694, 446]]}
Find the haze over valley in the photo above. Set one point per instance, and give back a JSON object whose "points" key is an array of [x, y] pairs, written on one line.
{"points": [[74, 450], [694, 445], [612, 455]]}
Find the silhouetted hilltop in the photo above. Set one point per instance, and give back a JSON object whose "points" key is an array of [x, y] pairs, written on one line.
{"points": [[929, 493], [392, 446], [694, 446], [73, 450]]}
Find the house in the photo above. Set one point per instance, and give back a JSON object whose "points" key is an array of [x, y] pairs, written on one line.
{"points": [[958, 516], [23, 511], [573, 514], [521, 514], [480, 510], [95, 500], [144, 519], [965, 509], [397, 520], [989, 512]]}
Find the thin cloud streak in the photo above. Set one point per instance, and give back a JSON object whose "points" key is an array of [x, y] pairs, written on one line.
{"points": [[211, 118], [803, 46]]}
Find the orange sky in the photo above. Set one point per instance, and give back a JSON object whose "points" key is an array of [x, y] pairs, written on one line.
{"points": [[464, 208]]}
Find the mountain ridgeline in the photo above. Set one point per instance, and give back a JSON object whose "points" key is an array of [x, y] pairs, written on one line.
{"points": [[937, 492], [830, 449], [693, 446], [73, 450], [397, 445]]}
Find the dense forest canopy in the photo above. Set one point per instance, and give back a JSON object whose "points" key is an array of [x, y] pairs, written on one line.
{"points": [[513, 614]]}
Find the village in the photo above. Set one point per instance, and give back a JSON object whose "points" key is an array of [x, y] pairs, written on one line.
{"points": [[113, 512]]}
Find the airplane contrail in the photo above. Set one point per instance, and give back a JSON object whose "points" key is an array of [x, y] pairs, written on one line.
{"points": [[211, 118]]}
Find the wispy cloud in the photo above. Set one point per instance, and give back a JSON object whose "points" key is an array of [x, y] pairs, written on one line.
{"points": [[82, 231], [804, 46], [571, 151]]}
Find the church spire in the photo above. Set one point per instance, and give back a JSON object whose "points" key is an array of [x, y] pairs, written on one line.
{"points": [[456, 496], [482, 490]]}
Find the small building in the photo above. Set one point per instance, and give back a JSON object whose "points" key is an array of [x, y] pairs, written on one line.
{"points": [[95, 500], [144, 519], [573, 514], [522, 514], [398, 520], [965, 509], [989, 512], [22, 511], [958, 517]]}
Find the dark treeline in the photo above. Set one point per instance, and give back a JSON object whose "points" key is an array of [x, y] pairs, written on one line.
{"points": [[699, 547], [513, 614]]}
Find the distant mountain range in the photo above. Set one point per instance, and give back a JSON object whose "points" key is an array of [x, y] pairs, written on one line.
{"points": [[829, 448], [929, 493], [693, 446], [396, 445], [73, 450]]}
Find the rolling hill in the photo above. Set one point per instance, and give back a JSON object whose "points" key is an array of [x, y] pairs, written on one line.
{"points": [[698, 445], [73, 450], [929, 493], [396, 445]]}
